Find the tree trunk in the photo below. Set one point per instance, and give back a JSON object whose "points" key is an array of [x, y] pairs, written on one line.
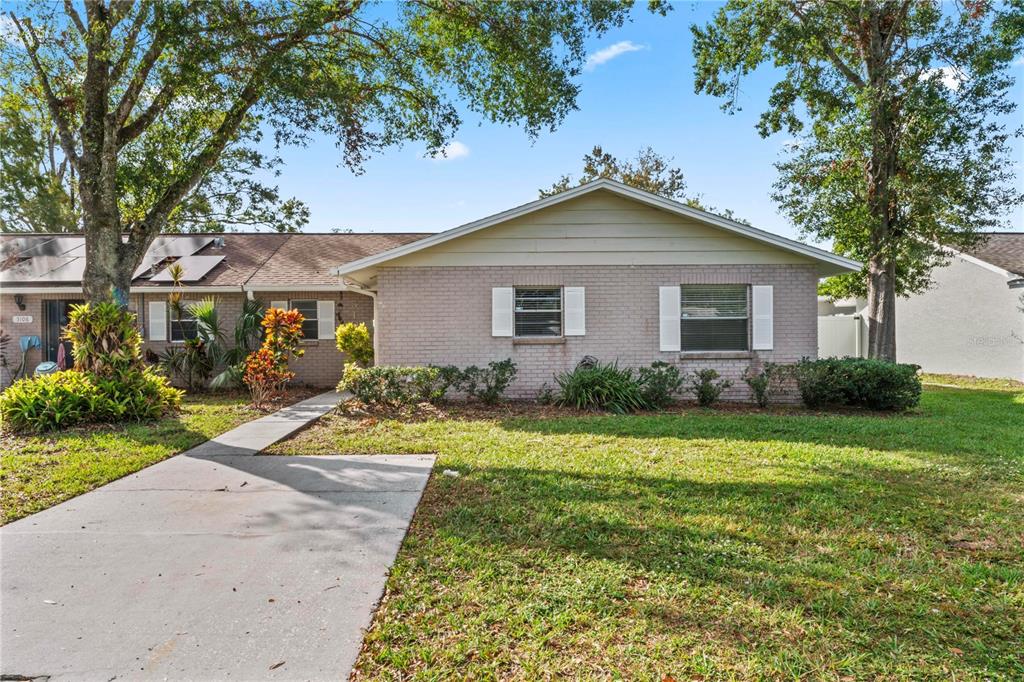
{"points": [[881, 309]]}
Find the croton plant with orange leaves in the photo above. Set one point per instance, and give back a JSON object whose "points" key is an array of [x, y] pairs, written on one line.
{"points": [[266, 370]]}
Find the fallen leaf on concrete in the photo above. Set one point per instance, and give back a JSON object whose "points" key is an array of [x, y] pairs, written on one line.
{"points": [[277, 665], [49, 601]]}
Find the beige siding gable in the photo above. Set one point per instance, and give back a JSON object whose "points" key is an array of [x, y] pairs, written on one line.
{"points": [[600, 228]]}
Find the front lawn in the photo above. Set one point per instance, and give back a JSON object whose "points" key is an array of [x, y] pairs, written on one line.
{"points": [[707, 545], [37, 472]]}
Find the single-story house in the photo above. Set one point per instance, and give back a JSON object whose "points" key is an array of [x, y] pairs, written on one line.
{"points": [[970, 321], [603, 270]]}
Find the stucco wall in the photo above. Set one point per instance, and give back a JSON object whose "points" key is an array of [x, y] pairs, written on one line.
{"points": [[320, 366], [442, 315], [969, 322]]}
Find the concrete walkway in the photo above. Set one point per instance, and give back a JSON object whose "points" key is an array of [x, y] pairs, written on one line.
{"points": [[210, 565]]}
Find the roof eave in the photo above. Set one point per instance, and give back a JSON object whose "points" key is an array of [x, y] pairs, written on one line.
{"points": [[831, 264]]}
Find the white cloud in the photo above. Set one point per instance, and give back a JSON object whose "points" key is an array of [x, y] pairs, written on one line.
{"points": [[452, 150], [1019, 61], [951, 77], [609, 53]]}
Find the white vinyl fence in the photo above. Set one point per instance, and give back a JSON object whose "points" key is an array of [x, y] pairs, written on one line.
{"points": [[842, 336]]}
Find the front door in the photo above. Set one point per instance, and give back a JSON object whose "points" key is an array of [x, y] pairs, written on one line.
{"points": [[55, 316]]}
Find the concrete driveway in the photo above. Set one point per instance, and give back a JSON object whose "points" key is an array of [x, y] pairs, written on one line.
{"points": [[207, 567]]}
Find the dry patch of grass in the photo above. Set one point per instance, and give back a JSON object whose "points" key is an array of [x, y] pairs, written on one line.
{"points": [[705, 544], [961, 381]]}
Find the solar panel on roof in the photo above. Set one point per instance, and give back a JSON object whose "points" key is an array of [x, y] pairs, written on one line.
{"points": [[10, 247], [71, 271], [194, 268], [53, 246], [177, 246], [34, 268]]}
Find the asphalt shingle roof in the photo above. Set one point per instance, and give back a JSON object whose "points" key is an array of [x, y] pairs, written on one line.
{"points": [[1002, 249], [254, 259]]}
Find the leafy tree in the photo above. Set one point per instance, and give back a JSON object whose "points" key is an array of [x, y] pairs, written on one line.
{"points": [[649, 171], [40, 191], [148, 97], [896, 106]]}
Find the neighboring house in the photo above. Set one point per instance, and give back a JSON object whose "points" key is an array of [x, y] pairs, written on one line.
{"points": [[970, 321], [40, 276], [602, 270]]}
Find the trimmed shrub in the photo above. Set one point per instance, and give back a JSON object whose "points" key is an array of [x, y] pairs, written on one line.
{"points": [[858, 382], [660, 383], [392, 386], [72, 397], [767, 381], [488, 384], [600, 386], [354, 340], [707, 388]]}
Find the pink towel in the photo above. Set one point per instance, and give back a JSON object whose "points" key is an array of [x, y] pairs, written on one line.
{"points": [[62, 361]]}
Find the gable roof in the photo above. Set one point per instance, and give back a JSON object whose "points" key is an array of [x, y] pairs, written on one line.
{"points": [[1004, 250], [258, 261], [830, 262]]}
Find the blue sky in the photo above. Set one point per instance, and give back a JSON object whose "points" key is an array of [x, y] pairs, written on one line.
{"points": [[643, 96]]}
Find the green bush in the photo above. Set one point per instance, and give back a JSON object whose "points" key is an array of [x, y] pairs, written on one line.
{"points": [[858, 382], [600, 386], [72, 397], [354, 340], [707, 388], [391, 386], [767, 381], [488, 384], [104, 338], [659, 384]]}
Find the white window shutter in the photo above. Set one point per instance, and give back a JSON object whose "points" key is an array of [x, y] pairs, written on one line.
{"points": [[283, 305], [158, 320], [670, 317], [762, 336], [325, 319], [574, 301], [502, 304]]}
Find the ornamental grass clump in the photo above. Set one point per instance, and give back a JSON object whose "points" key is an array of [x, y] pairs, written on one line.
{"points": [[266, 370]]}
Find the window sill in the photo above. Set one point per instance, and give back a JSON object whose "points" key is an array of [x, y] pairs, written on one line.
{"points": [[538, 341], [716, 355]]}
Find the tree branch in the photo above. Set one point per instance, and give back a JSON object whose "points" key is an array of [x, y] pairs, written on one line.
{"points": [[69, 9], [138, 80], [131, 130], [849, 73], [130, 41], [56, 107]]}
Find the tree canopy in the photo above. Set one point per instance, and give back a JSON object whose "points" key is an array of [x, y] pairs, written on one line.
{"points": [[168, 90], [898, 111], [648, 171]]}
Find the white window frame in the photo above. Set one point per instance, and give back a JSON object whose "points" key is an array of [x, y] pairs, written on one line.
{"points": [[748, 318], [561, 312]]}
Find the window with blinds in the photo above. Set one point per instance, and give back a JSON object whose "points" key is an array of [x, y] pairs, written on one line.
{"points": [[714, 317], [310, 325], [184, 327], [538, 312]]}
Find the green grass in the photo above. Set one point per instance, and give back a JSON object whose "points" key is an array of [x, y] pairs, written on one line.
{"points": [[707, 545], [37, 472]]}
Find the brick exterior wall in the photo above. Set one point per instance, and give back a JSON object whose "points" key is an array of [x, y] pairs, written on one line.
{"points": [[320, 366], [442, 315]]}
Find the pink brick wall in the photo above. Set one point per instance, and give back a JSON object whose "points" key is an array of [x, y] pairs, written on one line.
{"points": [[442, 315], [320, 366]]}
